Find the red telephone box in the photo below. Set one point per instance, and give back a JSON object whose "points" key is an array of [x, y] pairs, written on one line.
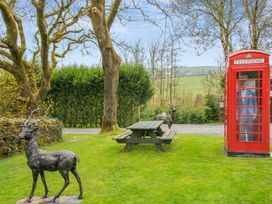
{"points": [[246, 104]]}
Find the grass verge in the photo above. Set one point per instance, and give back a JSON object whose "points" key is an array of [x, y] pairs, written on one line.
{"points": [[192, 170]]}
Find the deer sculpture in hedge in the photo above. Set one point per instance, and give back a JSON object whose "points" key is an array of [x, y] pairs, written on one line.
{"points": [[168, 119], [39, 160]]}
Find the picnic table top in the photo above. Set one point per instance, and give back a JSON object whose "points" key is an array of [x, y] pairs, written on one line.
{"points": [[146, 125]]}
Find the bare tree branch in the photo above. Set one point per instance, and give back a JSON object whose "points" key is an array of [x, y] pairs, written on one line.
{"points": [[113, 12], [57, 33], [6, 66]]}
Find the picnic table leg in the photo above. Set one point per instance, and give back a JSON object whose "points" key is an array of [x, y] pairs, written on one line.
{"points": [[156, 143], [128, 147], [159, 147]]}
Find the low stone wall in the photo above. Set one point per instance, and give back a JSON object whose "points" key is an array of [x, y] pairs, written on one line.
{"points": [[49, 131]]}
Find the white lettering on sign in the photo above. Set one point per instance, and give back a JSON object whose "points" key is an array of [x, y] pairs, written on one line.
{"points": [[249, 61]]}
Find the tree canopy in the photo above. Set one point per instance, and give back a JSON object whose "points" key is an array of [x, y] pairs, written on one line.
{"points": [[35, 34]]}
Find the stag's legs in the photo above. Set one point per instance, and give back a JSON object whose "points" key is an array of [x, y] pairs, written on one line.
{"points": [[74, 172], [44, 184], [35, 175], [65, 175]]}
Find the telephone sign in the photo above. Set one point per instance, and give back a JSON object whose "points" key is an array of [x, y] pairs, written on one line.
{"points": [[249, 61]]}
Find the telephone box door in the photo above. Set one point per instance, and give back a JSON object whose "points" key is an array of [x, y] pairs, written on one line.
{"points": [[249, 110]]}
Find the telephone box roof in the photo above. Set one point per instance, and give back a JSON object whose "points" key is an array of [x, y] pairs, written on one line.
{"points": [[247, 51]]}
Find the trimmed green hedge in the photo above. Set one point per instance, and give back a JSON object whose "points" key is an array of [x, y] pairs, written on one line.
{"points": [[49, 131], [77, 94]]}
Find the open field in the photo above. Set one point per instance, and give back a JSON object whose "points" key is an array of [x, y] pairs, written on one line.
{"points": [[195, 70], [192, 170], [191, 84], [188, 87]]}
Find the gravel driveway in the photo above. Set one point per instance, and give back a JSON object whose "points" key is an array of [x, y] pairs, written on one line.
{"points": [[206, 129], [80, 130]]}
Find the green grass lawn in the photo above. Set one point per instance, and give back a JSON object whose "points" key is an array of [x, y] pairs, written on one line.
{"points": [[192, 170]]}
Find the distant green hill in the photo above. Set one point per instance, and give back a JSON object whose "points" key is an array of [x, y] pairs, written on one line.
{"points": [[195, 70]]}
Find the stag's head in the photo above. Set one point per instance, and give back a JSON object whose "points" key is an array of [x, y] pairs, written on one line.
{"points": [[28, 128], [174, 109], [27, 132]]}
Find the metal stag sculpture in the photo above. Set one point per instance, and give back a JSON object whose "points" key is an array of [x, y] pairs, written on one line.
{"points": [[168, 119], [39, 160]]}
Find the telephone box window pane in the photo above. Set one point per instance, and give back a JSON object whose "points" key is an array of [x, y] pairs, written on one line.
{"points": [[250, 110], [250, 84], [248, 128], [248, 119], [253, 101], [248, 75], [248, 93], [248, 137]]}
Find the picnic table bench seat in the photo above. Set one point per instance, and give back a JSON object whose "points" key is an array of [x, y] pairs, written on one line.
{"points": [[168, 136], [122, 136], [145, 132]]}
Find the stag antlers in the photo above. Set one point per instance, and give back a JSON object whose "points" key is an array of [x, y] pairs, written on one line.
{"points": [[38, 121], [173, 106]]}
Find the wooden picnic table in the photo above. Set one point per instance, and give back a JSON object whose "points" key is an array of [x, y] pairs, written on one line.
{"points": [[146, 132]]}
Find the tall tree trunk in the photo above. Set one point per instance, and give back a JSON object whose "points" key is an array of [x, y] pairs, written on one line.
{"points": [[161, 88], [111, 63], [171, 73], [255, 37], [110, 60]]}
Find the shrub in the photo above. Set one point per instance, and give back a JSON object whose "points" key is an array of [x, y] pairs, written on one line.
{"points": [[148, 113], [9, 103], [49, 131], [212, 110], [77, 94], [183, 116], [190, 116]]}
